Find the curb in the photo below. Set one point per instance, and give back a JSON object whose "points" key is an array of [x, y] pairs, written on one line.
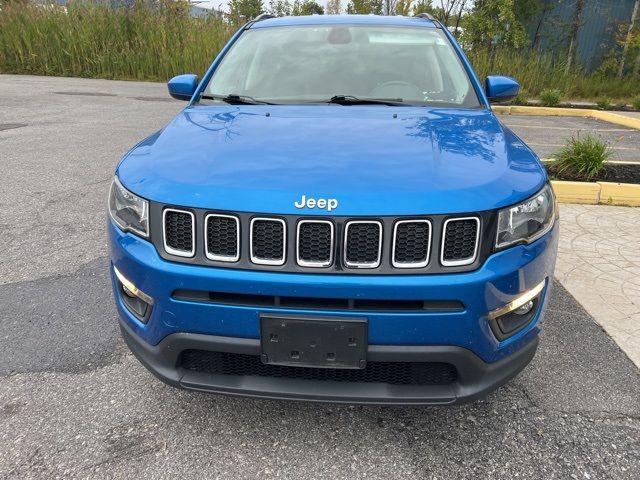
{"points": [[610, 117], [594, 193]]}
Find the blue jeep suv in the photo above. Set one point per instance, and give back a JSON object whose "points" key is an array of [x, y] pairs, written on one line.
{"points": [[337, 215]]}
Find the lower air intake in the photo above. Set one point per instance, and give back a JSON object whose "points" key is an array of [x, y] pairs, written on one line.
{"points": [[394, 373]]}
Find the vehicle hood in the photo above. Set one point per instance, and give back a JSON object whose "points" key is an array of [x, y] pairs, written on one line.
{"points": [[375, 160]]}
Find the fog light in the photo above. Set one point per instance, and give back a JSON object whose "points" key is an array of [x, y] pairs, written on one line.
{"points": [[138, 302], [515, 315], [524, 309], [131, 288], [127, 292]]}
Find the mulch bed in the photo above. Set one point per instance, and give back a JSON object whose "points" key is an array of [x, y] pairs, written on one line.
{"points": [[611, 172]]}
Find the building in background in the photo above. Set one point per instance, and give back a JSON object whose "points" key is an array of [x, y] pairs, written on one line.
{"points": [[589, 31]]}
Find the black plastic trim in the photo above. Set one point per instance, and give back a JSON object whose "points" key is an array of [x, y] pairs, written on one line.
{"points": [[318, 303], [127, 301], [498, 326], [476, 378]]}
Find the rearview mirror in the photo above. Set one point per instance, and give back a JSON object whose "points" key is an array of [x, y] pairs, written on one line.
{"points": [[501, 89], [182, 87]]}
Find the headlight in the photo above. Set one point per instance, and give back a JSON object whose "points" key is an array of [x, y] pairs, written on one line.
{"points": [[129, 211], [527, 221]]}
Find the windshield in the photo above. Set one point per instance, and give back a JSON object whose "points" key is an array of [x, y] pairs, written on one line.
{"points": [[307, 64]]}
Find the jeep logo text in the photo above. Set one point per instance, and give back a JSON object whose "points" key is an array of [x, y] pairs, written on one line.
{"points": [[328, 203]]}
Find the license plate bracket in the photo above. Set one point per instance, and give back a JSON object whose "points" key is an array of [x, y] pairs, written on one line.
{"points": [[319, 342]]}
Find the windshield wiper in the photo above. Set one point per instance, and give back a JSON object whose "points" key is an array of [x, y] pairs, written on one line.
{"points": [[235, 99], [353, 100]]}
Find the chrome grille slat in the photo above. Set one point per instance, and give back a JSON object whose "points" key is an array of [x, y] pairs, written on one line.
{"points": [[221, 239], [459, 241], [362, 244], [411, 246], [268, 241], [314, 243], [180, 232]]}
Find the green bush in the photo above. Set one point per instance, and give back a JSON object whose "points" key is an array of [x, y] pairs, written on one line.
{"points": [[551, 98], [635, 102], [522, 98], [605, 103], [582, 158]]}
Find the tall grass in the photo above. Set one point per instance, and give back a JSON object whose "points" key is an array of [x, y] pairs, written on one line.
{"points": [[154, 41], [538, 72], [143, 42]]}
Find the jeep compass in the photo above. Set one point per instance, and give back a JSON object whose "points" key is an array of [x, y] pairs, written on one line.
{"points": [[336, 215]]}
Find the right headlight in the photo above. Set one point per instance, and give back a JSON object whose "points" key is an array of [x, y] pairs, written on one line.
{"points": [[526, 221], [129, 211]]}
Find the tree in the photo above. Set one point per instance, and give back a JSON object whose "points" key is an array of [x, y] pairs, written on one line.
{"points": [[365, 7], [279, 8], [493, 22], [334, 7], [573, 35], [244, 10], [424, 6], [629, 38], [534, 10], [307, 7], [403, 7], [449, 8]]}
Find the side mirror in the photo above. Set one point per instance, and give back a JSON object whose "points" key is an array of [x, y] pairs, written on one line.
{"points": [[501, 89], [182, 87]]}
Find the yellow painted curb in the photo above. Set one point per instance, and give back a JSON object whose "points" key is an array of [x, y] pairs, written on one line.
{"points": [[593, 193], [620, 194], [576, 192], [610, 117]]}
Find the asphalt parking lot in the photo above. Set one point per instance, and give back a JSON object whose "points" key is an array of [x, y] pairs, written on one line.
{"points": [[547, 135], [75, 404]]}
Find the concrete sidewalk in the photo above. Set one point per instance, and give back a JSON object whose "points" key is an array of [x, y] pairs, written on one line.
{"points": [[599, 264]]}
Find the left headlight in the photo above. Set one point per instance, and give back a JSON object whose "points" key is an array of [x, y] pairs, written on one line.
{"points": [[528, 220], [129, 211]]}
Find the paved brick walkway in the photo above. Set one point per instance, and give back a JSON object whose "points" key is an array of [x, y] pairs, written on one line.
{"points": [[599, 264]]}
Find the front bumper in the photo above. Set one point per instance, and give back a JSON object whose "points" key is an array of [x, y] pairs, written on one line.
{"points": [[463, 339], [475, 377]]}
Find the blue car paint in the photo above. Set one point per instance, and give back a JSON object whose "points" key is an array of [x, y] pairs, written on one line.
{"points": [[428, 160], [253, 158], [182, 87], [499, 280], [501, 88]]}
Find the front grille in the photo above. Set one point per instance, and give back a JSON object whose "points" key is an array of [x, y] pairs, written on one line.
{"points": [[179, 232], [268, 239], [393, 373], [411, 243], [322, 245], [362, 244], [460, 241], [223, 238], [315, 243]]}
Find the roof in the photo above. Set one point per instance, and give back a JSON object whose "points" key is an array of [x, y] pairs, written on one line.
{"points": [[344, 19]]}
